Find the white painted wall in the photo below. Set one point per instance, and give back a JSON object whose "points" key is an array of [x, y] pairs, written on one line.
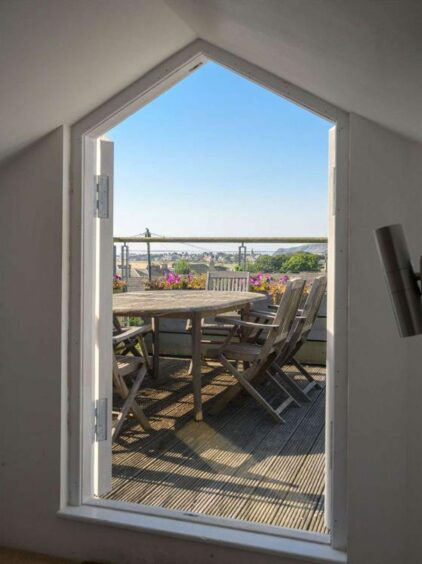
{"points": [[360, 55], [30, 334], [383, 430], [67, 57], [385, 187]]}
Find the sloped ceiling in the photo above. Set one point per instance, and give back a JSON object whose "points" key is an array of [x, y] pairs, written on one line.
{"points": [[61, 58], [364, 56]]}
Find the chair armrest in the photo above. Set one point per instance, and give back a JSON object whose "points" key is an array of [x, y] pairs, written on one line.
{"points": [[250, 324], [119, 338], [131, 333], [260, 313]]}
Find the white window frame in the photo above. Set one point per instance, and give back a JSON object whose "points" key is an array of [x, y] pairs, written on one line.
{"points": [[77, 460]]}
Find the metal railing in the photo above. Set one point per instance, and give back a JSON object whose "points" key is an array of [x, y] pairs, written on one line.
{"points": [[125, 267]]}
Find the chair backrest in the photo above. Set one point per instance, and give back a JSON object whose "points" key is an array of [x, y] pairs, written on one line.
{"points": [[312, 305], [284, 317], [222, 281], [289, 305]]}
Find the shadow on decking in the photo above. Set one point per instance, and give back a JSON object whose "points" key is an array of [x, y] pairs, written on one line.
{"points": [[238, 464]]}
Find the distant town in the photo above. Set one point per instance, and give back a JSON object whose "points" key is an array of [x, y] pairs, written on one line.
{"points": [[301, 258]]}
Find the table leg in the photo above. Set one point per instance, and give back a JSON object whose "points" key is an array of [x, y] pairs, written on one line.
{"points": [[245, 310], [155, 321], [244, 315], [196, 366]]}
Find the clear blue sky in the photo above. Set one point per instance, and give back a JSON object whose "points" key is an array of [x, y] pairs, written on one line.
{"points": [[218, 155]]}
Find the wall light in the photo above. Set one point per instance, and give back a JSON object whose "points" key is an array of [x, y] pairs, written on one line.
{"points": [[402, 282]]}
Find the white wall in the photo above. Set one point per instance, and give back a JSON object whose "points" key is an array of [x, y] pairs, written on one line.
{"points": [[67, 57], [385, 187], [360, 55], [384, 428], [30, 334]]}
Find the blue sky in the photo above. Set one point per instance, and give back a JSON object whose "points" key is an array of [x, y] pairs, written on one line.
{"points": [[218, 155]]}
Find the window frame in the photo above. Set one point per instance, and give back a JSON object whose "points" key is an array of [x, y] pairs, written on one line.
{"points": [[77, 460]]}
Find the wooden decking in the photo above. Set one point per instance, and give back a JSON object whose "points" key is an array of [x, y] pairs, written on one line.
{"points": [[238, 464]]}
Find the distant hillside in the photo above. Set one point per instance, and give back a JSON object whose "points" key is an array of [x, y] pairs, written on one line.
{"points": [[316, 248]]}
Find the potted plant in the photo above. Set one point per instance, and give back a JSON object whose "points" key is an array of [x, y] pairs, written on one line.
{"points": [[172, 281], [268, 284], [119, 285]]}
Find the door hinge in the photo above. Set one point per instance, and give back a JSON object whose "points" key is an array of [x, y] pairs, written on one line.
{"points": [[100, 420], [102, 196]]}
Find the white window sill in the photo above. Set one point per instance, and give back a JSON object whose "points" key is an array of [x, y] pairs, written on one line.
{"points": [[192, 528]]}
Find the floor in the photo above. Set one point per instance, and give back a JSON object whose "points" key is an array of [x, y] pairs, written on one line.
{"points": [[237, 464], [12, 556]]}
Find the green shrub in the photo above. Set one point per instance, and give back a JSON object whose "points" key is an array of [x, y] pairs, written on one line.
{"points": [[301, 262], [267, 263], [181, 266]]}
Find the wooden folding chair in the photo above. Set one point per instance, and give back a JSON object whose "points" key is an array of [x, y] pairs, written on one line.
{"points": [[130, 337], [128, 368], [309, 313], [221, 281], [257, 358]]}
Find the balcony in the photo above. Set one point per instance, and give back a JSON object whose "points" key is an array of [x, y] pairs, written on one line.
{"points": [[236, 464]]}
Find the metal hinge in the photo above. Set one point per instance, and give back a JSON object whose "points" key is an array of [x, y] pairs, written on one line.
{"points": [[100, 420], [102, 196]]}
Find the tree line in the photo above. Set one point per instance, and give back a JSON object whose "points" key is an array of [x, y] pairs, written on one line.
{"points": [[301, 261]]}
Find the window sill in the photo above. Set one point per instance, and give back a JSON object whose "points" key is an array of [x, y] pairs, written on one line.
{"points": [[191, 528]]}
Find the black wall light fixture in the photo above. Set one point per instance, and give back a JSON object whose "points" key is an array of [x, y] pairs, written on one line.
{"points": [[401, 279]]}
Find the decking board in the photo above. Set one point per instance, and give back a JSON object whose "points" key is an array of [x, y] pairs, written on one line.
{"points": [[281, 469], [238, 464]]}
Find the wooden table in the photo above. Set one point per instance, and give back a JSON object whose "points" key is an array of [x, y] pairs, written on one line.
{"points": [[185, 304]]}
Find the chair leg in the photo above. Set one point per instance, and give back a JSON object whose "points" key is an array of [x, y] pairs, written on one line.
{"points": [[295, 390], [145, 354], [225, 398], [243, 381], [312, 382], [290, 398], [130, 402], [234, 391], [155, 347]]}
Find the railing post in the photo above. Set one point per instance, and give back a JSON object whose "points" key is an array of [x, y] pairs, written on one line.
{"points": [[148, 234], [124, 259], [242, 250], [114, 260]]}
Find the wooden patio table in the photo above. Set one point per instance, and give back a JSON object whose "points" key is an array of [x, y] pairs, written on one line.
{"points": [[185, 304]]}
